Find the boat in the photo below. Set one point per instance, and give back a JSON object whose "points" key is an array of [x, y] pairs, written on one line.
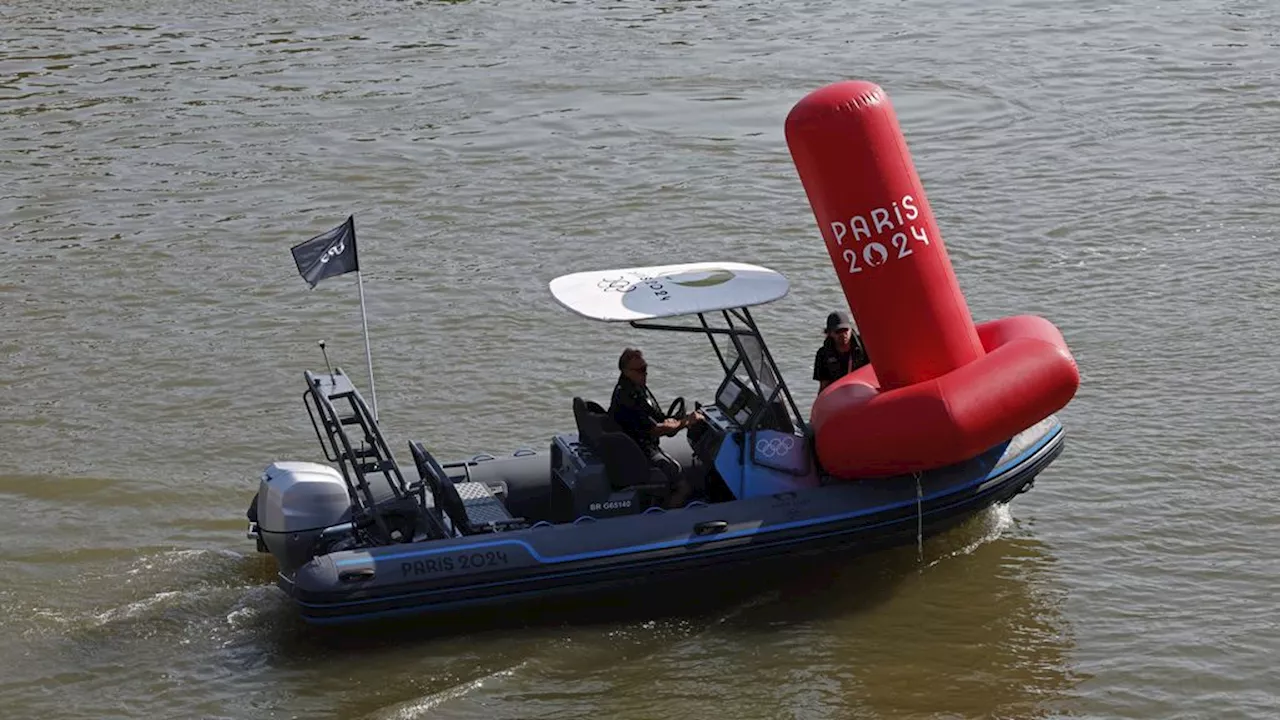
{"points": [[367, 535]]}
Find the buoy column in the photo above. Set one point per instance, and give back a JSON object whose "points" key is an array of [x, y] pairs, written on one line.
{"points": [[939, 390], [880, 233]]}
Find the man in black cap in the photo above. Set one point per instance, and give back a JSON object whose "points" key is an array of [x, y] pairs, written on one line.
{"points": [[840, 354]]}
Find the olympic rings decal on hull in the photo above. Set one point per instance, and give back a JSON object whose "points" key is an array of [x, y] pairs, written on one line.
{"points": [[775, 447]]}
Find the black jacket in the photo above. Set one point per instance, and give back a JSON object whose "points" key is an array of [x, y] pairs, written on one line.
{"points": [[829, 364], [636, 411]]}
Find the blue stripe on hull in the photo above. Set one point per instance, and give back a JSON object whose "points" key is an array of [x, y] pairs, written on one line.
{"points": [[685, 542], [990, 488]]}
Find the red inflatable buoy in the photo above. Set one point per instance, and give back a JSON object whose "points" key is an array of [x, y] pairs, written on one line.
{"points": [[939, 390]]}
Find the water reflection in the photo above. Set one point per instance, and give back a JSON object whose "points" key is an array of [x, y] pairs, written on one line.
{"points": [[976, 632]]}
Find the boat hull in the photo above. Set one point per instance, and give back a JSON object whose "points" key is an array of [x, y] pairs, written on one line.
{"points": [[699, 542]]}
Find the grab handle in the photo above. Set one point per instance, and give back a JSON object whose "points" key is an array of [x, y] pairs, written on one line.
{"points": [[710, 527], [356, 574]]}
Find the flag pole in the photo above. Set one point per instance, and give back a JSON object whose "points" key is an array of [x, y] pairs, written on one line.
{"points": [[368, 356], [334, 253]]}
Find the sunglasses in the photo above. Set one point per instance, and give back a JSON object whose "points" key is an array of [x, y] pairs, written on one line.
{"points": [[642, 369]]}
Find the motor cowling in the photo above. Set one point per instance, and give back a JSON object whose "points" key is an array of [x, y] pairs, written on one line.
{"points": [[296, 502]]}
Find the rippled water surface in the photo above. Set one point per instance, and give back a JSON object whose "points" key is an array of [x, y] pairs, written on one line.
{"points": [[1111, 166]]}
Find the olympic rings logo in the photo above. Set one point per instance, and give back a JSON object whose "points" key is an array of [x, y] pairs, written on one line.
{"points": [[775, 447], [620, 285]]}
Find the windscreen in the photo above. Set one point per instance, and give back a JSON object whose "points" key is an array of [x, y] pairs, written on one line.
{"points": [[753, 355]]}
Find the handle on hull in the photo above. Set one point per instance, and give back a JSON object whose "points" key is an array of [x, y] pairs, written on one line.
{"points": [[710, 527], [356, 575]]}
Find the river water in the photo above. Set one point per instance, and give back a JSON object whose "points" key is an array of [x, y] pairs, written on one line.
{"points": [[1111, 166]]}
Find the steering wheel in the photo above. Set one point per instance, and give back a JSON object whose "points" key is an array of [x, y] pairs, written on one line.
{"points": [[677, 409]]}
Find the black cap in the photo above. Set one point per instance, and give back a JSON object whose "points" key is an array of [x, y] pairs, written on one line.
{"points": [[838, 321]]}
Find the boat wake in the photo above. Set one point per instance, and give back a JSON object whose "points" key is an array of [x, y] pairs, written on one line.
{"points": [[140, 608], [186, 595], [991, 526], [422, 707]]}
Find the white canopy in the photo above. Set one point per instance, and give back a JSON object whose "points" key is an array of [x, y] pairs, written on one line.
{"points": [[667, 290]]}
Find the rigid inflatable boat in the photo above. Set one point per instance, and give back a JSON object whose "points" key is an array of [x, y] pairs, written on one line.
{"points": [[949, 418], [372, 533]]}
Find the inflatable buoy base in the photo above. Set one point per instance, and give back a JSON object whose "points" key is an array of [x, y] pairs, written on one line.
{"points": [[1026, 374]]}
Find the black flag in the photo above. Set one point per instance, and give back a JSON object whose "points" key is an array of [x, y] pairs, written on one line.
{"points": [[328, 254]]}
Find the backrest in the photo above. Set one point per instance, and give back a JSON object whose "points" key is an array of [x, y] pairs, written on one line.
{"points": [[592, 420], [428, 469], [452, 503], [624, 463], [582, 420], [607, 423]]}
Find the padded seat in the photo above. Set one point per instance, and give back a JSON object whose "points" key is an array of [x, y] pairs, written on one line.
{"points": [[591, 419], [625, 464], [472, 507]]}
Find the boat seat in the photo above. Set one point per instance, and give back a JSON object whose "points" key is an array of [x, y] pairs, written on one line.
{"points": [[423, 460], [473, 508], [625, 464], [482, 504]]}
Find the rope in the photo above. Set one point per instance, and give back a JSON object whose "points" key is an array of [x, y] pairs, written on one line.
{"points": [[919, 520]]}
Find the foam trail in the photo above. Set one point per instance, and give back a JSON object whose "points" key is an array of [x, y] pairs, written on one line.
{"points": [[137, 608], [419, 708], [170, 559], [999, 519]]}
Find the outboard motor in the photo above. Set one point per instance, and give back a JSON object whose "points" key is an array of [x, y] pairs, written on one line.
{"points": [[297, 502]]}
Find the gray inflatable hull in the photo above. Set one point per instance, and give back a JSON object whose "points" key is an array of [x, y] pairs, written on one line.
{"points": [[696, 542]]}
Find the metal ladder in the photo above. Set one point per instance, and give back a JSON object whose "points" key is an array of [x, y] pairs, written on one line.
{"points": [[334, 401]]}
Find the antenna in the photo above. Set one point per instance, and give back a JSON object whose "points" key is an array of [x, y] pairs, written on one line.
{"points": [[326, 359]]}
